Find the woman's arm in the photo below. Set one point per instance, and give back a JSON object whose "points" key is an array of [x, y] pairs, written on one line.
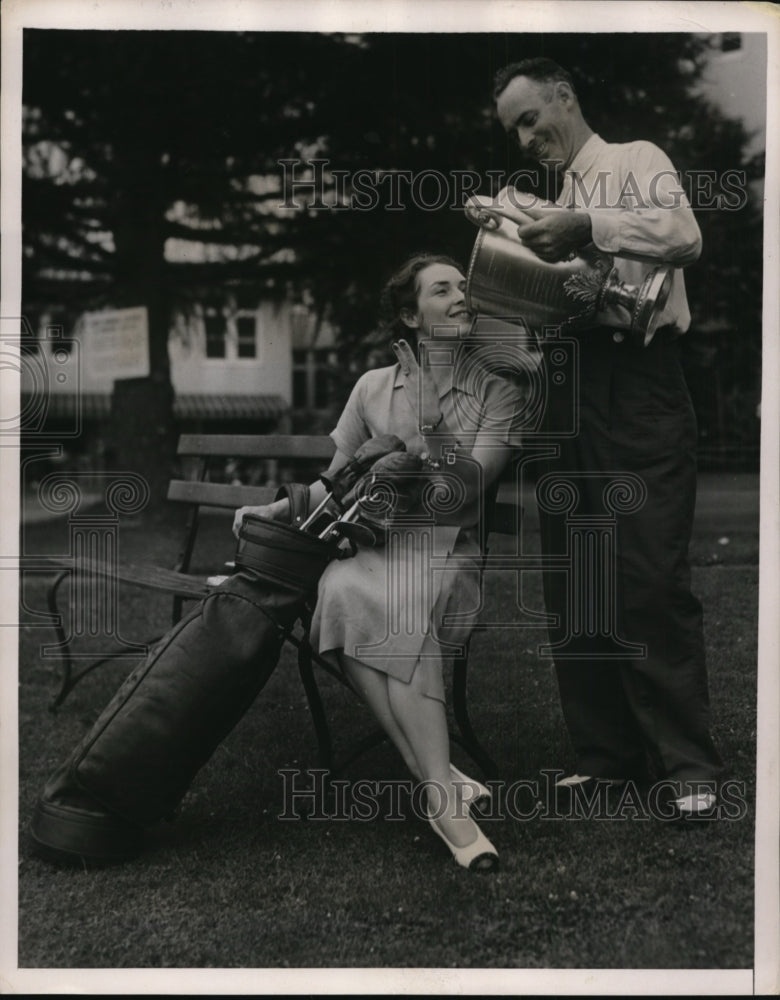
{"points": [[470, 474], [473, 473], [462, 474]]}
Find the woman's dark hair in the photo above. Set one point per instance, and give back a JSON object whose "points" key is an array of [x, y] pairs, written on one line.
{"points": [[402, 289]]}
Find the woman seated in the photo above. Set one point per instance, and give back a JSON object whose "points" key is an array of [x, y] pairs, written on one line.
{"points": [[391, 615]]}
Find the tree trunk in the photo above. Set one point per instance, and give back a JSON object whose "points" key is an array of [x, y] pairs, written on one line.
{"points": [[142, 425]]}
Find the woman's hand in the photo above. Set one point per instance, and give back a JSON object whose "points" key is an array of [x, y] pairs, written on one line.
{"points": [[419, 386], [273, 511]]}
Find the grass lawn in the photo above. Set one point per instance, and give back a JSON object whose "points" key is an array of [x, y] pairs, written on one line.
{"points": [[229, 884]]}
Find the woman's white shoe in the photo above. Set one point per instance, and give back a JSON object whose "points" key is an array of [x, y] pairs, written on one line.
{"points": [[479, 855], [480, 793]]}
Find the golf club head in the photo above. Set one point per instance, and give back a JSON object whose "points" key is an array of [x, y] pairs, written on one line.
{"points": [[359, 534]]}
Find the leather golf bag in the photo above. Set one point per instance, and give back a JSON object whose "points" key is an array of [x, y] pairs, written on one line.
{"points": [[172, 712]]}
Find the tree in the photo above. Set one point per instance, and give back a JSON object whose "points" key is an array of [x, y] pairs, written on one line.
{"points": [[134, 139]]}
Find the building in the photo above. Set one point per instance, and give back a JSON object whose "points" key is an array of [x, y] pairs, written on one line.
{"points": [[234, 369]]}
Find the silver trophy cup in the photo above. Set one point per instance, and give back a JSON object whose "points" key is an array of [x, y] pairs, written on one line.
{"points": [[505, 278]]}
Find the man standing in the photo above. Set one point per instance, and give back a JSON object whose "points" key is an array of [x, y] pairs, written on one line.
{"points": [[642, 688]]}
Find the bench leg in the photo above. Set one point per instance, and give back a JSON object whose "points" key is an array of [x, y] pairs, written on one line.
{"points": [[76, 677], [63, 643], [468, 738], [362, 747], [306, 657], [317, 709], [70, 678]]}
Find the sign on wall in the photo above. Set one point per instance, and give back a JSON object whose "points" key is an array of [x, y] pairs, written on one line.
{"points": [[116, 343]]}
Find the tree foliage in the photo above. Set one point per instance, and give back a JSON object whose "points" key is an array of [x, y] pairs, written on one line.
{"points": [[135, 139]]}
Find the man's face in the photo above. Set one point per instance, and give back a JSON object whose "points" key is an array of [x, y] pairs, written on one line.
{"points": [[441, 303], [540, 116]]}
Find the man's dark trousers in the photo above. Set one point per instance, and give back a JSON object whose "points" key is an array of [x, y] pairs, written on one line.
{"points": [[628, 645]]}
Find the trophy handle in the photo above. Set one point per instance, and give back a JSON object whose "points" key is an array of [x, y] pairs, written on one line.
{"points": [[489, 216], [483, 217]]}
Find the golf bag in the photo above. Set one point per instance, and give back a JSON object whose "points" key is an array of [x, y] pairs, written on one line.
{"points": [[172, 712]]}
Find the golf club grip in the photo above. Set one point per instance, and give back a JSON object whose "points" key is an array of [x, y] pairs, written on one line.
{"points": [[298, 497]]}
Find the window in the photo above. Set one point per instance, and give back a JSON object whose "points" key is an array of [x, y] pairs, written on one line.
{"points": [[313, 373], [325, 364], [299, 390], [215, 336], [300, 380], [230, 338], [245, 328]]}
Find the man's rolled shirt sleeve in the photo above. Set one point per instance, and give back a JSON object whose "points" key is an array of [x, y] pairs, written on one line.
{"points": [[639, 213], [655, 218]]}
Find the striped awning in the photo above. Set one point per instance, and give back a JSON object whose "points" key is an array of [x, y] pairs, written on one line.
{"points": [[64, 406], [203, 406], [191, 406]]}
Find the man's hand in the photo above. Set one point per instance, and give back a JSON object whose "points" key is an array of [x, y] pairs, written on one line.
{"points": [[555, 233]]}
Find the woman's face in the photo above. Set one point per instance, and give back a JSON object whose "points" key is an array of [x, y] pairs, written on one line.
{"points": [[441, 304]]}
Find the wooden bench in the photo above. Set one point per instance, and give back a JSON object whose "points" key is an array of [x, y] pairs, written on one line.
{"points": [[196, 453], [194, 493]]}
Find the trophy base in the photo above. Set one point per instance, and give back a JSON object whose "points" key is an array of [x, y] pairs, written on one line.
{"points": [[650, 301]]}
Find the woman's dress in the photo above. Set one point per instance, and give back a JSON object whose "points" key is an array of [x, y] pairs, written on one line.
{"points": [[412, 604]]}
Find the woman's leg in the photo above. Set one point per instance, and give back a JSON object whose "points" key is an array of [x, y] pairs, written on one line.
{"points": [[423, 721], [371, 685], [417, 725]]}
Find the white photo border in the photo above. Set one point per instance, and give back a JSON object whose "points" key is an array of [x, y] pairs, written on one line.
{"points": [[403, 16]]}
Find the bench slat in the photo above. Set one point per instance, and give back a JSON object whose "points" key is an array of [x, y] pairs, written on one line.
{"points": [[142, 575], [284, 446], [219, 494], [505, 520]]}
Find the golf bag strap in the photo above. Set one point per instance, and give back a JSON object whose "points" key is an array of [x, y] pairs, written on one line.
{"points": [[298, 495]]}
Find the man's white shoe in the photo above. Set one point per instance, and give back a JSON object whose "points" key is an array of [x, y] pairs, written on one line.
{"points": [[695, 804], [575, 780]]}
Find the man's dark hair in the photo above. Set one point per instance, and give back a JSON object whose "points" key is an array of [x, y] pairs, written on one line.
{"points": [[540, 70]]}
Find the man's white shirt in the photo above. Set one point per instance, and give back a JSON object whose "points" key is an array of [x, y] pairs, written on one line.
{"points": [[637, 209]]}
